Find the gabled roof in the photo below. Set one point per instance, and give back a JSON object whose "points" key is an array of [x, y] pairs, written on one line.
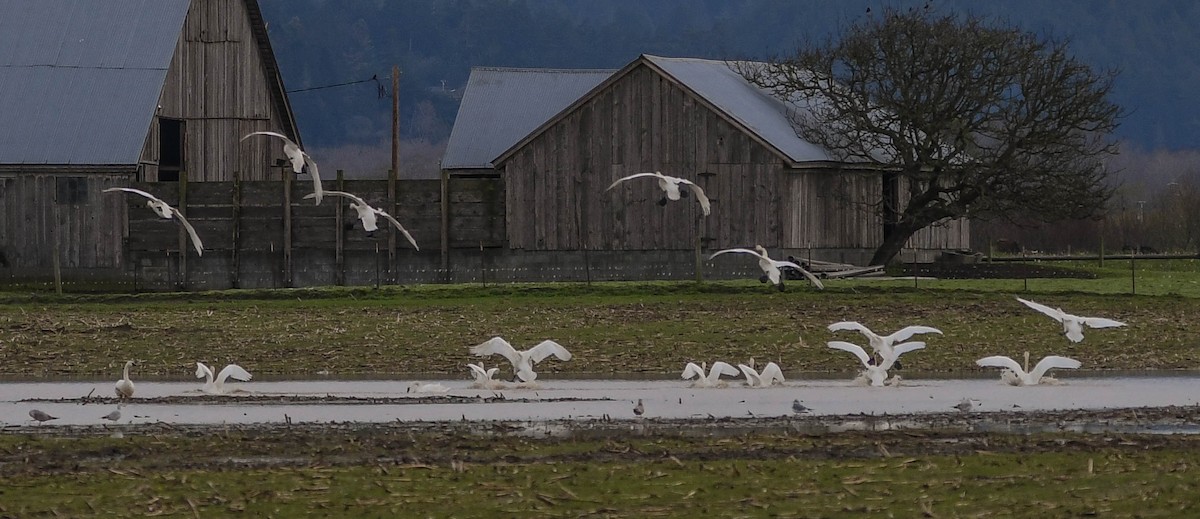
{"points": [[81, 78], [502, 105], [762, 116]]}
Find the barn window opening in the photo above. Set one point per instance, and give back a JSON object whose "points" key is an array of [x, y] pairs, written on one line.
{"points": [[170, 149], [71, 190]]}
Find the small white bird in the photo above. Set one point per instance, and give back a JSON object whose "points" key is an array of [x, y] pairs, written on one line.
{"points": [[124, 387], [1072, 324], [422, 387], [670, 186], [216, 386], [485, 378], [769, 376], [799, 408], [522, 361], [639, 409], [877, 373], [770, 267], [298, 159], [882, 345], [713, 377], [1015, 375], [41, 416], [113, 416], [166, 211], [367, 215], [966, 405]]}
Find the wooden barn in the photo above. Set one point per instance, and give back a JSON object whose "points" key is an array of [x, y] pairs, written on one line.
{"points": [[103, 93], [699, 120]]}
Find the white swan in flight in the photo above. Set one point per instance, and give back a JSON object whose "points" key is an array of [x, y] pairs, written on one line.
{"points": [[713, 378], [298, 159], [367, 214], [769, 376], [1015, 375], [882, 344], [422, 387], [216, 386], [877, 373], [1072, 324], [770, 267], [522, 361], [485, 378], [124, 387], [166, 211], [670, 186]]}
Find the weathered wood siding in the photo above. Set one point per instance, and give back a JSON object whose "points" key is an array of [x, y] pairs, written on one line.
{"points": [[218, 85], [832, 210], [556, 198], [88, 230]]}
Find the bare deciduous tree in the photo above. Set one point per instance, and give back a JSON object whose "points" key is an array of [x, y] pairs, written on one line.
{"points": [[965, 118]]}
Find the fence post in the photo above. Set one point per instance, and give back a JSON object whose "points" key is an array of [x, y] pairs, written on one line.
{"points": [[445, 231], [183, 236], [237, 230], [339, 253], [287, 226]]}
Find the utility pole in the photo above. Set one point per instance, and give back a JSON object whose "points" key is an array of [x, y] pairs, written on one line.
{"points": [[394, 173]]}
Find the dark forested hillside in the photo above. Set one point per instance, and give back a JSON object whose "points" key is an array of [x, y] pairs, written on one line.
{"points": [[435, 42]]}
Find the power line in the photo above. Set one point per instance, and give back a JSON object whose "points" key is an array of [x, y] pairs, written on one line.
{"points": [[381, 90]]}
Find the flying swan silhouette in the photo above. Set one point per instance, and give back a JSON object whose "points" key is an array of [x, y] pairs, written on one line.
{"points": [[1072, 324], [882, 344], [770, 267], [670, 186], [876, 374], [522, 361], [367, 215], [166, 211], [298, 158]]}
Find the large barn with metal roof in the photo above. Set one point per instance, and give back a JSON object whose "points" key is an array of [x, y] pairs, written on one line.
{"points": [[100, 93], [691, 118]]}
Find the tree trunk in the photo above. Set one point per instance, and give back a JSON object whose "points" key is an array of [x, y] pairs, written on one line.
{"points": [[893, 241]]}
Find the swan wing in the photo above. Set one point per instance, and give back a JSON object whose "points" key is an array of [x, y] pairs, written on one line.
{"points": [[134, 191], [738, 251], [722, 368], [908, 331], [635, 175], [1052, 362], [692, 370], [808, 275], [705, 205], [1100, 322], [1052, 312], [202, 371], [852, 348], [852, 326], [771, 373], [1000, 361], [497, 346], [316, 177], [752, 377], [398, 226], [190, 230], [285, 138], [477, 370], [342, 194], [897, 351], [546, 349], [235, 372]]}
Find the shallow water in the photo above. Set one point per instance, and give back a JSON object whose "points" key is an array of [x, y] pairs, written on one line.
{"points": [[574, 399]]}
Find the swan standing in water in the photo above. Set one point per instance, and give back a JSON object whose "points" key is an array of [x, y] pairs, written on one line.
{"points": [[1015, 375], [1072, 324], [522, 361], [217, 386], [713, 378], [124, 387], [882, 345], [770, 375], [485, 378], [368, 215], [670, 186], [876, 374], [770, 267], [166, 211], [298, 158]]}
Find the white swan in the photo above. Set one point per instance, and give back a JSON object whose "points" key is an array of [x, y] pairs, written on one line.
{"points": [[1072, 324], [124, 387], [769, 376], [1015, 375], [367, 215], [770, 267], [670, 187], [882, 345], [422, 387], [877, 373], [522, 361], [485, 378], [298, 159], [166, 211], [713, 378], [217, 386]]}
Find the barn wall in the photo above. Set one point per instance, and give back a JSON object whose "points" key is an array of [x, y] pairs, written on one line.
{"points": [[643, 122], [218, 85], [86, 224]]}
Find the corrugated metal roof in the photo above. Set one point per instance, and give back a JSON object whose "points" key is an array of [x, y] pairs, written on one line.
{"points": [[500, 106], [80, 79], [751, 106]]}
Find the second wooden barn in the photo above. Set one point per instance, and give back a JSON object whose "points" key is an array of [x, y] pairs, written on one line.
{"points": [[697, 119]]}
